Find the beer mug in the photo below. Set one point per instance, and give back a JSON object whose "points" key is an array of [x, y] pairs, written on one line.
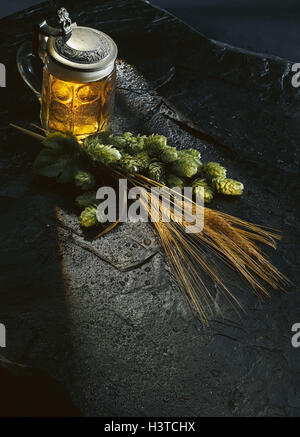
{"points": [[79, 74]]}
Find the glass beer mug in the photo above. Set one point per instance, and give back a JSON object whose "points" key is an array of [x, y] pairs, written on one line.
{"points": [[79, 73]]}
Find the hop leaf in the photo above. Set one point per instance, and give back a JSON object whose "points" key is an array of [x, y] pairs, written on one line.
{"points": [[156, 172], [228, 186], [84, 180], [174, 181], [88, 217], [105, 154], [208, 192], [185, 166], [60, 159], [86, 199], [213, 170], [169, 154], [129, 163]]}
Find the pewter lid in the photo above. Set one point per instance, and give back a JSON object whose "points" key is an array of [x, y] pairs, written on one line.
{"points": [[75, 53], [86, 49]]}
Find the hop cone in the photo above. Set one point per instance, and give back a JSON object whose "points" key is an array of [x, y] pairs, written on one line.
{"points": [[155, 144], [84, 180], [106, 154], [214, 170], [156, 172], [185, 166], [143, 160], [117, 141], [129, 163], [100, 138], [88, 217], [127, 143], [193, 153], [174, 181], [86, 199], [134, 145], [208, 191], [169, 154], [228, 186]]}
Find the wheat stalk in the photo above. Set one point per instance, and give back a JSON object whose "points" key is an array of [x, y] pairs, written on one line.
{"points": [[229, 238]]}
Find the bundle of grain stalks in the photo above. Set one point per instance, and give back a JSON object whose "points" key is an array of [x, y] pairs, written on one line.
{"points": [[232, 240]]}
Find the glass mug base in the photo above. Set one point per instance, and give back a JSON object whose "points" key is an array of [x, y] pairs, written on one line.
{"points": [[81, 108]]}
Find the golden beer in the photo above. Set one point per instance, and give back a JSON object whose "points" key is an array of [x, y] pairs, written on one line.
{"points": [[79, 75], [81, 108]]}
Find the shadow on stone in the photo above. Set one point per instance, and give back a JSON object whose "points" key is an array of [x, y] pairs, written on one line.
{"points": [[29, 392]]}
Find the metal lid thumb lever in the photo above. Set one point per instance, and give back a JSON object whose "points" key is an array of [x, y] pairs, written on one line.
{"points": [[43, 30], [68, 52]]}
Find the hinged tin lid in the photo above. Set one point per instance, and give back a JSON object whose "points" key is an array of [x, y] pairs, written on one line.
{"points": [[86, 49], [79, 53]]}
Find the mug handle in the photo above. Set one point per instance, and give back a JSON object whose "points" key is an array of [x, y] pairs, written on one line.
{"points": [[28, 65]]}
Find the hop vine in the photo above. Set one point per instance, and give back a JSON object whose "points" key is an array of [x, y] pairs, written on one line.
{"points": [[64, 159]]}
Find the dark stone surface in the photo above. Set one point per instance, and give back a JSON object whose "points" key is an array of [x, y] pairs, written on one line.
{"points": [[30, 392], [124, 342]]}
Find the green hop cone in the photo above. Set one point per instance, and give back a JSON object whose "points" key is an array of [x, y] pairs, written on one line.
{"points": [[228, 186], [117, 141], [185, 166], [193, 153], [155, 144], [156, 172], [105, 154], [99, 138], [84, 180], [86, 199], [174, 181], [134, 145], [169, 154], [208, 193], [127, 143], [92, 140], [88, 217], [129, 164], [213, 170], [143, 160]]}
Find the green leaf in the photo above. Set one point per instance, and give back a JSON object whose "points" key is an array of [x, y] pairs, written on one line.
{"points": [[60, 159]]}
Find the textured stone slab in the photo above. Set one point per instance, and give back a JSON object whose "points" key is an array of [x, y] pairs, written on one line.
{"points": [[121, 336]]}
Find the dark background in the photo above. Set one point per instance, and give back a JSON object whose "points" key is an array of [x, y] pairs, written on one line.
{"points": [[268, 26], [125, 344]]}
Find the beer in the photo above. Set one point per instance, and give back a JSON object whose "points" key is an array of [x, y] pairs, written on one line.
{"points": [[79, 76], [81, 108]]}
